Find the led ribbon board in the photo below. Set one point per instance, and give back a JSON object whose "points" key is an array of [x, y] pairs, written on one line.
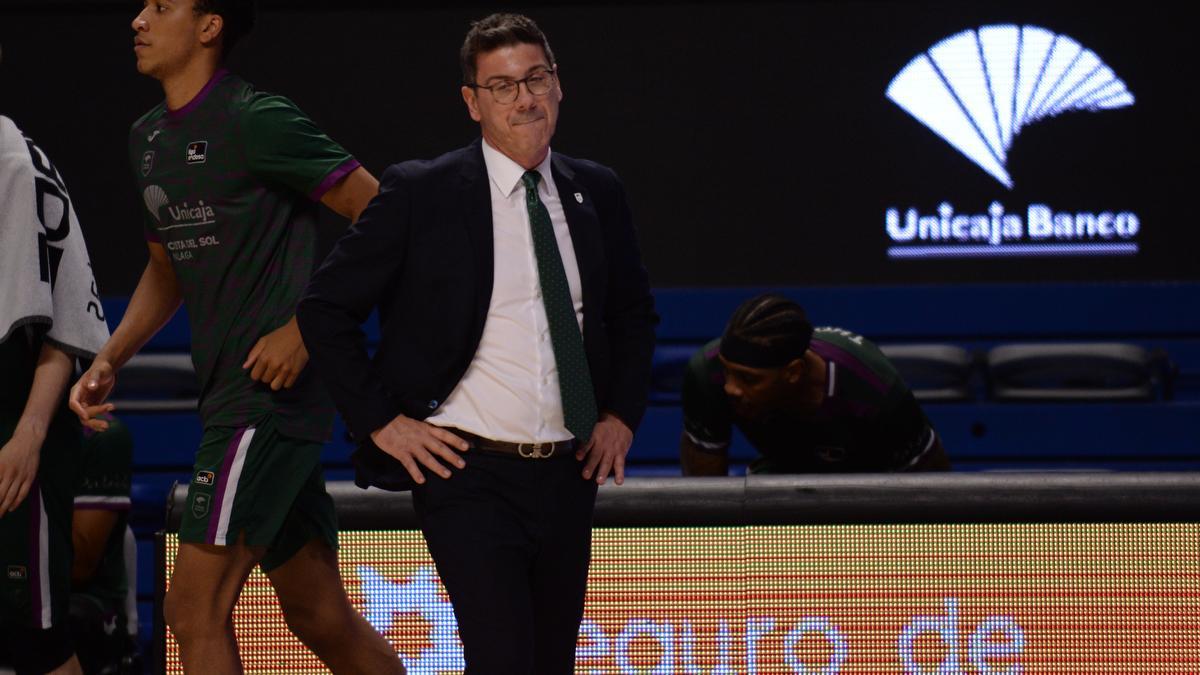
{"points": [[915, 598], [977, 90]]}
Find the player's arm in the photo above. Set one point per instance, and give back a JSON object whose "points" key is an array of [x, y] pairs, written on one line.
{"points": [[19, 456], [90, 529], [278, 357], [707, 422], [350, 196], [913, 443], [698, 460], [154, 302]]}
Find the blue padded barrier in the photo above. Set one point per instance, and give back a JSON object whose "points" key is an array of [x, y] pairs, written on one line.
{"points": [[1006, 312], [175, 336], [170, 440], [163, 440], [1091, 434]]}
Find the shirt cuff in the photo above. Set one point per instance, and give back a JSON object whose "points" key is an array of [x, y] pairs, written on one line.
{"points": [[333, 178]]}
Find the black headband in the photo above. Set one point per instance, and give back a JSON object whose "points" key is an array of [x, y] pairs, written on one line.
{"points": [[745, 353]]}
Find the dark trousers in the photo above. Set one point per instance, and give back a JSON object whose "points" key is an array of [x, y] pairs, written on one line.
{"points": [[511, 539]]}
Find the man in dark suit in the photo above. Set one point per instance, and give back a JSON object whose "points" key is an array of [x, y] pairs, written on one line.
{"points": [[516, 321]]}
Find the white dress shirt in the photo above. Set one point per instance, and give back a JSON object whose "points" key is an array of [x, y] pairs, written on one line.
{"points": [[510, 391]]}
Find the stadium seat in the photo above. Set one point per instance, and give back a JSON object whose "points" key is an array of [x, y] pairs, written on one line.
{"points": [[934, 372], [1070, 372], [157, 383], [666, 372]]}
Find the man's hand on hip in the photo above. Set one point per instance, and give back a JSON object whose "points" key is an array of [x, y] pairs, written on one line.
{"points": [[278, 357], [413, 441], [606, 450]]}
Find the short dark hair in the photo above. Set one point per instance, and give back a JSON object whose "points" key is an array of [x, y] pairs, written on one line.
{"points": [[766, 331], [496, 31], [237, 15]]}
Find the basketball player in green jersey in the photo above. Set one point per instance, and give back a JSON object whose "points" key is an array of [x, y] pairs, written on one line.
{"points": [[230, 177]]}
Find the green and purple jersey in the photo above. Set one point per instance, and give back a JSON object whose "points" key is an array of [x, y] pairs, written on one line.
{"points": [[867, 421], [231, 183]]}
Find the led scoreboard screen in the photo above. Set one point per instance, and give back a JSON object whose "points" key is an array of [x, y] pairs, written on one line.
{"points": [[985, 599]]}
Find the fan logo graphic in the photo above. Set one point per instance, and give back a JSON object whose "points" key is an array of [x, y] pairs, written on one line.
{"points": [[196, 152], [977, 90], [155, 198]]}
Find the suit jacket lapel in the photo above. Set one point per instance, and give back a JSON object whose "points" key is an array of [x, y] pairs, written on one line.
{"points": [[476, 199], [582, 221]]}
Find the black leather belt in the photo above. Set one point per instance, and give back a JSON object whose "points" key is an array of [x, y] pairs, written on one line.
{"points": [[524, 450]]}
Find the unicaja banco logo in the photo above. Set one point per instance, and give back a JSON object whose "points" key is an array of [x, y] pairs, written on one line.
{"points": [[979, 88]]}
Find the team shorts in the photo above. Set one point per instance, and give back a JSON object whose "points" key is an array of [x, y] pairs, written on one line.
{"points": [[35, 549], [35, 540], [256, 486]]}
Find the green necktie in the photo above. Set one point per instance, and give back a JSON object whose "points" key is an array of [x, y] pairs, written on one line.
{"points": [[574, 378]]}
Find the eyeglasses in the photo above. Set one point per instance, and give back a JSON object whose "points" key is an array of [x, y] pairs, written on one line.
{"points": [[506, 91]]}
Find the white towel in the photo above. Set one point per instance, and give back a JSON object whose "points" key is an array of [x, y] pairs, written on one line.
{"points": [[45, 275]]}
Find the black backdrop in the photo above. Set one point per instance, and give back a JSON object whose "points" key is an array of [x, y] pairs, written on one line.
{"points": [[755, 139]]}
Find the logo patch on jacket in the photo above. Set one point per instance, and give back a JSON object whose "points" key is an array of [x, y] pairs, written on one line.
{"points": [[201, 503], [197, 152]]}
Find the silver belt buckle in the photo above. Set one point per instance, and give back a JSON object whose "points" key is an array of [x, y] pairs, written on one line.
{"points": [[535, 450]]}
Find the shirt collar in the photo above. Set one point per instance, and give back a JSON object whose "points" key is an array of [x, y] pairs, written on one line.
{"points": [[506, 174], [199, 97]]}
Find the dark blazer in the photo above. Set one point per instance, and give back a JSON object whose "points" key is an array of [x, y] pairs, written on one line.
{"points": [[422, 253]]}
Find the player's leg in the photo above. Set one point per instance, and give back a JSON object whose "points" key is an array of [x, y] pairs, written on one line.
{"points": [[71, 667], [301, 563], [87, 619], [318, 611], [204, 587], [302, 566], [226, 525]]}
